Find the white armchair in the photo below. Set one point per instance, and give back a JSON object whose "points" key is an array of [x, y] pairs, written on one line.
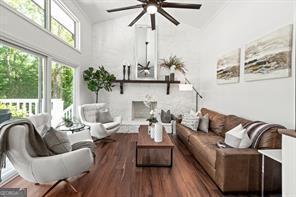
{"points": [[98, 130], [41, 170]]}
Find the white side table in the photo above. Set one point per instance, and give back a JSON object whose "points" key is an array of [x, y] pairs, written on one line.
{"points": [[275, 154]]}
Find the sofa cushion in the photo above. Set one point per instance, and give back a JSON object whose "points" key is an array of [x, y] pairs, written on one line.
{"points": [[217, 121], [205, 145], [183, 132]]}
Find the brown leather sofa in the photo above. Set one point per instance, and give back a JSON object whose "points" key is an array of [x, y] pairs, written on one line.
{"points": [[233, 170]]}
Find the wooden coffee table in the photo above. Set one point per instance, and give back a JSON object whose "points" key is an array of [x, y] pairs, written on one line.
{"points": [[145, 142]]}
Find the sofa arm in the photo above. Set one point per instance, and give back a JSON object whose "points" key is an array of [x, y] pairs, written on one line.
{"points": [[118, 119], [62, 166], [238, 169]]}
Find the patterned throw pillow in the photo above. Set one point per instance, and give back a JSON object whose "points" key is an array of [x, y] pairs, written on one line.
{"points": [[190, 121], [57, 141]]}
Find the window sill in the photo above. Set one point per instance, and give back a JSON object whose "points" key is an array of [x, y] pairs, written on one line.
{"points": [[4, 5]]}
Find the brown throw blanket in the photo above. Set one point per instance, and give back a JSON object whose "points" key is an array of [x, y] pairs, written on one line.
{"points": [[35, 140]]}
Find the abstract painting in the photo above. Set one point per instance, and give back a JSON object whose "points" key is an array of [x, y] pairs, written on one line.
{"points": [[270, 56], [228, 68]]}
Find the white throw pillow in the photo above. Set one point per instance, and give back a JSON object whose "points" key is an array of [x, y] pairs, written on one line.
{"points": [[237, 137], [190, 121], [246, 142]]}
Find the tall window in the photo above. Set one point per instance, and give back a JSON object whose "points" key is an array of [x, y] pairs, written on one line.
{"points": [[61, 22], [33, 9], [62, 86], [21, 85]]}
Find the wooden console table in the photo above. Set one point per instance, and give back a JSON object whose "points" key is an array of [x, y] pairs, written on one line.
{"points": [[122, 82]]}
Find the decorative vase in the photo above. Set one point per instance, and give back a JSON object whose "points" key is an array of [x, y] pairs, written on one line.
{"points": [[129, 73], [124, 67], [172, 77], [152, 130], [158, 132], [167, 78]]}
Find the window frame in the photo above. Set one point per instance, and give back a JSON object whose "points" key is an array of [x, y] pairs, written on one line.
{"points": [[46, 79], [47, 21], [75, 83], [42, 91]]}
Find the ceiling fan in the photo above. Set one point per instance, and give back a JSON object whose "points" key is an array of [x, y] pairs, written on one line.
{"points": [[153, 6]]}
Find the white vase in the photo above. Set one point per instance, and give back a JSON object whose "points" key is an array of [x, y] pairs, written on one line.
{"points": [[152, 130], [158, 132]]}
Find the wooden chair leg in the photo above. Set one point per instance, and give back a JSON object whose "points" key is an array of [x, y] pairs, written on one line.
{"points": [[56, 183], [52, 187], [71, 186]]}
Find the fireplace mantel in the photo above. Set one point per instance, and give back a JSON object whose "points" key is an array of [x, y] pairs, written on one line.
{"points": [[122, 82]]}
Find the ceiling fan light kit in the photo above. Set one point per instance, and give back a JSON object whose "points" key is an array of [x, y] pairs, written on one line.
{"points": [[152, 9], [153, 6]]}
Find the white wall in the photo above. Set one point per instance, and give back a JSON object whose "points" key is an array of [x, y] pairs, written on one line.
{"points": [[113, 42], [237, 24], [16, 29]]}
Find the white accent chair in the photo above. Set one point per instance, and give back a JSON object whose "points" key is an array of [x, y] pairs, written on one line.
{"points": [[42, 170], [88, 116]]}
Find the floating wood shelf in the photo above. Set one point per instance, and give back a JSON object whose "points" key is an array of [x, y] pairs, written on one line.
{"points": [[122, 82]]}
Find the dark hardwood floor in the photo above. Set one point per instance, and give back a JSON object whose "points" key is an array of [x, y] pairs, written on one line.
{"points": [[115, 174]]}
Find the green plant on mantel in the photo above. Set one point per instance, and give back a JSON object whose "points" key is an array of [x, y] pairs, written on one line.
{"points": [[98, 80], [173, 62]]}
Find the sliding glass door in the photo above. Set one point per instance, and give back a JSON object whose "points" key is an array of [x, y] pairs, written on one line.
{"points": [[62, 86], [21, 81], [21, 85]]}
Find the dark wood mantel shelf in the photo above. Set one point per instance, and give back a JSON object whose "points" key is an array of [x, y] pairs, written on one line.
{"points": [[122, 82]]}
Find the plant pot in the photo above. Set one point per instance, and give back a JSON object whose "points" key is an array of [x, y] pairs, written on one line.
{"points": [[68, 124]]}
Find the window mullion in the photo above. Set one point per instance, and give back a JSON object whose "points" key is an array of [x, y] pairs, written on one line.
{"points": [[47, 14]]}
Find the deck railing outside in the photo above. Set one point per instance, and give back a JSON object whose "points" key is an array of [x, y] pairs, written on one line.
{"points": [[30, 107]]}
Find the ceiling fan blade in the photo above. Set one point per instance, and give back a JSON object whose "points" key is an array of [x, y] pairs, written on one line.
{"points": [[168, 16], [126, 8], [137, 18], [153, 25], [143, 1], [180, 5]]}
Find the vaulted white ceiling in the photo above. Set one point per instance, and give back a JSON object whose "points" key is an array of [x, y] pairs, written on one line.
{"points": [[96, 10]]}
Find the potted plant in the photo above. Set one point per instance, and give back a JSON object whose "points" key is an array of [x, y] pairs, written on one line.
{"points": [[68, 122], [98, 80], [173, 64]]}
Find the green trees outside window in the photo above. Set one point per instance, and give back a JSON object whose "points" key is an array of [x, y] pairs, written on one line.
{"points": [[33, 9], [19, 79], [61, 23]]}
